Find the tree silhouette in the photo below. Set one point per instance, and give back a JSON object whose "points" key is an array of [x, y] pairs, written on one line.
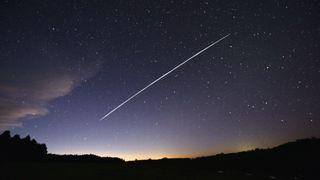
{"points": [[26, 149], [15, 148]]}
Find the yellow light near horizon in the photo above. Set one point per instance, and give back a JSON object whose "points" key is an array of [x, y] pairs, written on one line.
{"points": [[245, 147], [133, 156]]}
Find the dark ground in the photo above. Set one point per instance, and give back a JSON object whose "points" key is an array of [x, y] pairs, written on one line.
{"points": [[110, 171], [137, 170], [295, 160]]}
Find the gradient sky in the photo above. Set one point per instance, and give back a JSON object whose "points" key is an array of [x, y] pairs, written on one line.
{"points": [[65, 64]]}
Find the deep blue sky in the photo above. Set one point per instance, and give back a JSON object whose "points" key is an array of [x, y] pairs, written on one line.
{"points": [[65, 64]]}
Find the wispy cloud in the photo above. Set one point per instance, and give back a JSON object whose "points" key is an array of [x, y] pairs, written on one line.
{"points": [[27, 93]]}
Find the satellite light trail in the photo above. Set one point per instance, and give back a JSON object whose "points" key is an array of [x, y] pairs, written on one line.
{"points": [[164, 75]]}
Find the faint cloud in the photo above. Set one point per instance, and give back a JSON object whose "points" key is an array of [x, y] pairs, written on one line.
{"points": [[11, 112], [28, 94]]}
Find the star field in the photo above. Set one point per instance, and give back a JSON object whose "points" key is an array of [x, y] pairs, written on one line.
{"points": [[64, 65]]}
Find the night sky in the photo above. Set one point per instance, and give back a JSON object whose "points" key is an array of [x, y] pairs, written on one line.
{"points": [[65, 64]]}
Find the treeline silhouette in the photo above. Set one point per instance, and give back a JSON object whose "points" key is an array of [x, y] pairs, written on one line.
{"points": [[294, 160], [86, 158], [26, 149], [20, 149]]}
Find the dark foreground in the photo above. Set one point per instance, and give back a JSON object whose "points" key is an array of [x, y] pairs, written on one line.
{"points": [[125, 171], [25, 159], [163, 169]]}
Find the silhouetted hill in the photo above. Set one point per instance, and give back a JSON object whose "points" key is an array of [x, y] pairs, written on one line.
{"points": [[299, 158], [293, 160]]}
